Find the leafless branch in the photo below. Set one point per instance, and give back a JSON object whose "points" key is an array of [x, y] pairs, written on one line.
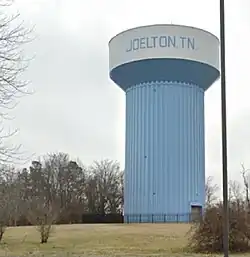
{"points": [[210, 191], [13, 36]]}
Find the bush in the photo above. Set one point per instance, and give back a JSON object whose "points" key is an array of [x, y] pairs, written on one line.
{"points": [[206, 236]]}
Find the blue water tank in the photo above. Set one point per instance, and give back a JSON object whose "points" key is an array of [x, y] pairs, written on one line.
{"points": [[164, 71]]}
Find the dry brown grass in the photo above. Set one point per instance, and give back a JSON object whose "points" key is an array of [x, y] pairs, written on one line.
{"points": [[167, 240], [98, 240]]}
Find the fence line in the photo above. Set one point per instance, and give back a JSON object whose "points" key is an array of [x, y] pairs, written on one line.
{"points": [[159, 218], [138, 218]]}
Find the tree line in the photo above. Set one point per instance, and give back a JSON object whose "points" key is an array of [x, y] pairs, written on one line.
{"points": [[60, 190]]}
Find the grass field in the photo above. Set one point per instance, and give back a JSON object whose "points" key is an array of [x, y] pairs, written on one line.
{"points": [[98, 240]]}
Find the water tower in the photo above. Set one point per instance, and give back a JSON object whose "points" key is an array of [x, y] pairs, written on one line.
{"points": [[164, 71]]}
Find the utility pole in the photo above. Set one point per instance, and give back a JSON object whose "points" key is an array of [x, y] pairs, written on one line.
{"points": [[224, 130]]}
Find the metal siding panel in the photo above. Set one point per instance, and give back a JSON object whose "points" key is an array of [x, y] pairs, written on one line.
{"points": [[164, 166]]}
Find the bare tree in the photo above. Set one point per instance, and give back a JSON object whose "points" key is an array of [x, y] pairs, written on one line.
{"points": [[9, 197], [14, 193], [107, 178], [210, 191], [43, 214], [245, 176], [68, 185], [43, 204], [13, 36], [4, 208], [236, 199], [235, 191]]}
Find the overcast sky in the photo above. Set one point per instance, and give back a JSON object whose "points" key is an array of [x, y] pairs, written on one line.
{"points": [[77, 109]]}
